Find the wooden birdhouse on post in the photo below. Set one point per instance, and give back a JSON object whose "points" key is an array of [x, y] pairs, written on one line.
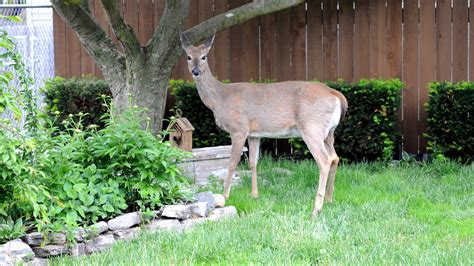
{"points": [[181, 134]]}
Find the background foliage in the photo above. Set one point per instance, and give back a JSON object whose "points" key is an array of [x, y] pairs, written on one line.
{"points": [[450, 120]]}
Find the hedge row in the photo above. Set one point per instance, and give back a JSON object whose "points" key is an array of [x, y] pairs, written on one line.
{"points": [[451, 120], [369, 131]]}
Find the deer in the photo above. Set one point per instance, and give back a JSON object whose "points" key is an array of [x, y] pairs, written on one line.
{"points": [[289, 109]]}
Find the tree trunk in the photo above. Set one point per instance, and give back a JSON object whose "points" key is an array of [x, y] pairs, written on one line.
{"points": [[145, 85]]}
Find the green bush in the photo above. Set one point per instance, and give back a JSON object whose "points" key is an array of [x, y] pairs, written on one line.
{"points": [[206, 133], [450, 120], [74, 96], [369, 131]]}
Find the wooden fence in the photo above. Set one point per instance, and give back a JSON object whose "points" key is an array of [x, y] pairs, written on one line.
{"points": [[417, 41]]}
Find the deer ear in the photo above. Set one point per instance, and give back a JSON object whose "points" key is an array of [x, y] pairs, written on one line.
{"points": [[184, 40], [209, 41]]}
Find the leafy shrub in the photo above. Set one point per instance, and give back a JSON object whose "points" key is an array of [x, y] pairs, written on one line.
{"points": [[76, 95], [206, 133], [10, 229], [369, 131], [450, 120]]}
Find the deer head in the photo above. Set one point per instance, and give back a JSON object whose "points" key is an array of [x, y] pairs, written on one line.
{"points": [[196, 55]]}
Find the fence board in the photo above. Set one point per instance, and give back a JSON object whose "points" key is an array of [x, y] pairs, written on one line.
{"points": [[361, 40], [221, 45], [346, 40], [205, 11], [130, 9], [443, 33], [298, 42], [159, 6], [268, 66], [427, 66], [393, 39], [329, 40], [283, 44], [73, 53], [377, 18], [314, 42], [145, 21], [410, 76], [60, 43], [460, 35]]}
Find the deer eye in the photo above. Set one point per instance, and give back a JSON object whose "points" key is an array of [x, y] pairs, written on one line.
{"points": [[189, 58], [203, 58]]}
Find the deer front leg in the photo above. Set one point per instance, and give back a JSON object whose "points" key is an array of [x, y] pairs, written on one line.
{"points": [[238, 142], [254, 150]]}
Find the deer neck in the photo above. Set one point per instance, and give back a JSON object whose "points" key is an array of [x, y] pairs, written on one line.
{"points": [[208, 88]]}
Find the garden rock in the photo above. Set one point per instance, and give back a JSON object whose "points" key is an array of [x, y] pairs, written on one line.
{"points": [[189, 224], [124, 221], [181, 212], [33, 239], [282, 171], [100, 227], [6, 259], [56, 238], [206, 197], [78, 249], [80, 234], [127, 234], [38, 262], [168, 225], [199, 209], [226, 212], [16, 249], [220, 200], [50, 250], [100, 243]]}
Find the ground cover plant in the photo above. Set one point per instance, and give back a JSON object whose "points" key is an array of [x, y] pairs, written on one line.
{"points": [[405, 213]]}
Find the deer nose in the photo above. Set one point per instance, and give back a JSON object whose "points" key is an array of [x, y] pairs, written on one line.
{"points": [[196, 72]]}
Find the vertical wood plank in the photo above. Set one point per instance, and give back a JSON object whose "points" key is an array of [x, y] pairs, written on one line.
{"points": [[221, 45], [329, 40], [410, 76], [314, 42], [471, 41], [346, 40], [460, 35], [393, 39], [73, 53], [443, 31], [283, 45], [377, 19], [145, 21], [205, 11], [298, 42], [87, 64], [361, 40], [427, 66], [251, 48], [237, 48], [60, 55], [268, 66], [159, 6], [130, 9]]}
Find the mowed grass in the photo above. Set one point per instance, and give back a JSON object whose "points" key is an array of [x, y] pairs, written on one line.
{"points": [[381, 214]]}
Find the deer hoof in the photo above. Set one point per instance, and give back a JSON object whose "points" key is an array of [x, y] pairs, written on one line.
{"points": [[255, 195]]}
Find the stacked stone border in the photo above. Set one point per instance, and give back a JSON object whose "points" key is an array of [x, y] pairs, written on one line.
{"points": [[34, 248]]}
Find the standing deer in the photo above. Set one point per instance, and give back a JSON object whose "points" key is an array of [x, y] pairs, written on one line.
{"points": [[278, 110]]}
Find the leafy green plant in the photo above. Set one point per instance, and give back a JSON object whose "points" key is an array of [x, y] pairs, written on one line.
{"points": [[450, 123], [10, 229]]}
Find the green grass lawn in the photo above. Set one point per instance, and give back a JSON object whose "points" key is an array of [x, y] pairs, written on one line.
{"points": [[380, 215]]}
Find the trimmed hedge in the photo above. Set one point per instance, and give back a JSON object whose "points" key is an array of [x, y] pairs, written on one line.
{"points": [[206, 133], [369, 131], [451, 120], [77, 95]]}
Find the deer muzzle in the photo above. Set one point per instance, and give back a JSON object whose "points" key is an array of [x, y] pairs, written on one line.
{"points": [[196, 72]]}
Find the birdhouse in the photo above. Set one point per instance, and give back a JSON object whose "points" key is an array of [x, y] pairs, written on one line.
{"points": [[181, 134]]}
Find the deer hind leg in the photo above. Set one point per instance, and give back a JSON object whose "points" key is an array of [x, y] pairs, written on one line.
{"points": [[254, 149], [332, 170], [238, 142], [317, 147]]}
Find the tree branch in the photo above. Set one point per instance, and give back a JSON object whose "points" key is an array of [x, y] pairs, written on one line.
{"points": [[85, 6], [94, 39], [166, 34], [124, 32], [235, 16]]}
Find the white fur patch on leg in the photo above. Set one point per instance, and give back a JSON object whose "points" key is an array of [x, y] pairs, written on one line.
{"points": [[335, 117]]}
